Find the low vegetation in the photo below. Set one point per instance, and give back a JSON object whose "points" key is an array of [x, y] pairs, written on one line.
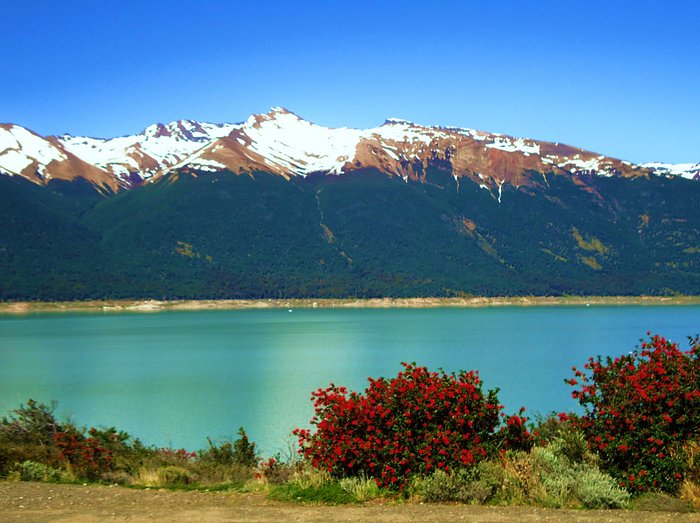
{"points": [[423, 435]]}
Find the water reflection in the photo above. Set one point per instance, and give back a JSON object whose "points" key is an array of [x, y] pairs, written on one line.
{"points": [[174, 378]]}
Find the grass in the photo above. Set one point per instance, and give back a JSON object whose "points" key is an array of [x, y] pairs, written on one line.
{"points": [[659, 502], [331, 493]]}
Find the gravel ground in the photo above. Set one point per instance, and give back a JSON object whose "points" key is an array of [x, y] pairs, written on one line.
{"points": [[30, 502]]}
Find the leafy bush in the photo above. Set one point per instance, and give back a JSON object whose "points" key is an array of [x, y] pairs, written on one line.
{"points": [[361, 488], [312, 485], [690, 489], [32, 471], [28, 435], [547, 477], [598, 490], [640, 411], [331, 493], [240, 452], [174, 476], [33, 423], [272, 470], [415, 423], [175, 457], [475, 485], [128, 454], [87, 458]]}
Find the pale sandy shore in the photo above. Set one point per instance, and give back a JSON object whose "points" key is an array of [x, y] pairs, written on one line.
{"points": [[156, 305]]}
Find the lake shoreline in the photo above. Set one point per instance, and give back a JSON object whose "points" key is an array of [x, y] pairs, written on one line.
{"points": [[27, 307]]}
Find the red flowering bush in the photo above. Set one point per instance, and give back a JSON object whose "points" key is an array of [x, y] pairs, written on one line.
{"points": [[87, 457], [415, 423], [176, 456], [640, 411]]}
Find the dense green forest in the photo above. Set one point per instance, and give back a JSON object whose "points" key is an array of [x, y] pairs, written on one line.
{"points": [[363, 234]]}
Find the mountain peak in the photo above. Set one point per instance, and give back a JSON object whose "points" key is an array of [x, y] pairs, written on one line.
{"points": [[276, 109], [275, 114], [398, 121]]}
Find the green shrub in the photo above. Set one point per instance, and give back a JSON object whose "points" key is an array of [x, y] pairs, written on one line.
{"points": [[174, 476], [118, 477], [330, 492], [240, 452], [441, 486], [308, 476], [594, 489], [28, 435], [475, 485], [362, 488], [547, 476], [32, 471], [556, 474], [566, 482], [34, 423], [659, 502]]}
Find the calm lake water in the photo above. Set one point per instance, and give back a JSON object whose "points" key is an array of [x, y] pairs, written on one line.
{"points": [[174, 378]]}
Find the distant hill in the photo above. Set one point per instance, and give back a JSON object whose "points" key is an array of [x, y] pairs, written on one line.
{"points": [[279, 207]]}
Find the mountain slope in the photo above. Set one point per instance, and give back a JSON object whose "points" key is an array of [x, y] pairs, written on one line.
{"points": [[39, 160], [220, 235], [132, 159]]}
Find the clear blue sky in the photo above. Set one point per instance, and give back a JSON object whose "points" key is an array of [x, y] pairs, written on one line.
{"points": [[621, 77]]}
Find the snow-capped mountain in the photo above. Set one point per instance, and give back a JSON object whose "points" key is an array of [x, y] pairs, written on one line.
{"points": [[139, 157], [286, 144], [282, 143], [40, 160]]}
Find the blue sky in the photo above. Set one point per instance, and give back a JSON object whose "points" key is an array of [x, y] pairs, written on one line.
{"points": [[621, 78]]}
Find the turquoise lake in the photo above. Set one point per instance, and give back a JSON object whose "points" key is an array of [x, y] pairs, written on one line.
{"points": [[174, 378]]}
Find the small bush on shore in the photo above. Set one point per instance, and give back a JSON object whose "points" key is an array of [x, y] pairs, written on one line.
{"points": [[174, 476], [34, 446], [32, 471], [642, 410], [331, 493], [239, 452], [361, 487], [28, 435], [545, 476], [413, 424]]}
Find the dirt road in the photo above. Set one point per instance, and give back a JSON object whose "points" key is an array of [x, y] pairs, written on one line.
{"points": [[37, 502]]}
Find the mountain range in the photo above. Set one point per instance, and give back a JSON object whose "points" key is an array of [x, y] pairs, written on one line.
{"points": [[277, 206], [282, 143]]}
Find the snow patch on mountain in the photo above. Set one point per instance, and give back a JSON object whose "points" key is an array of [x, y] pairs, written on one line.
{"points": [[404, 131], [157, 147], [505, 143], [299, 146], [20, 148], [685, 170]]}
